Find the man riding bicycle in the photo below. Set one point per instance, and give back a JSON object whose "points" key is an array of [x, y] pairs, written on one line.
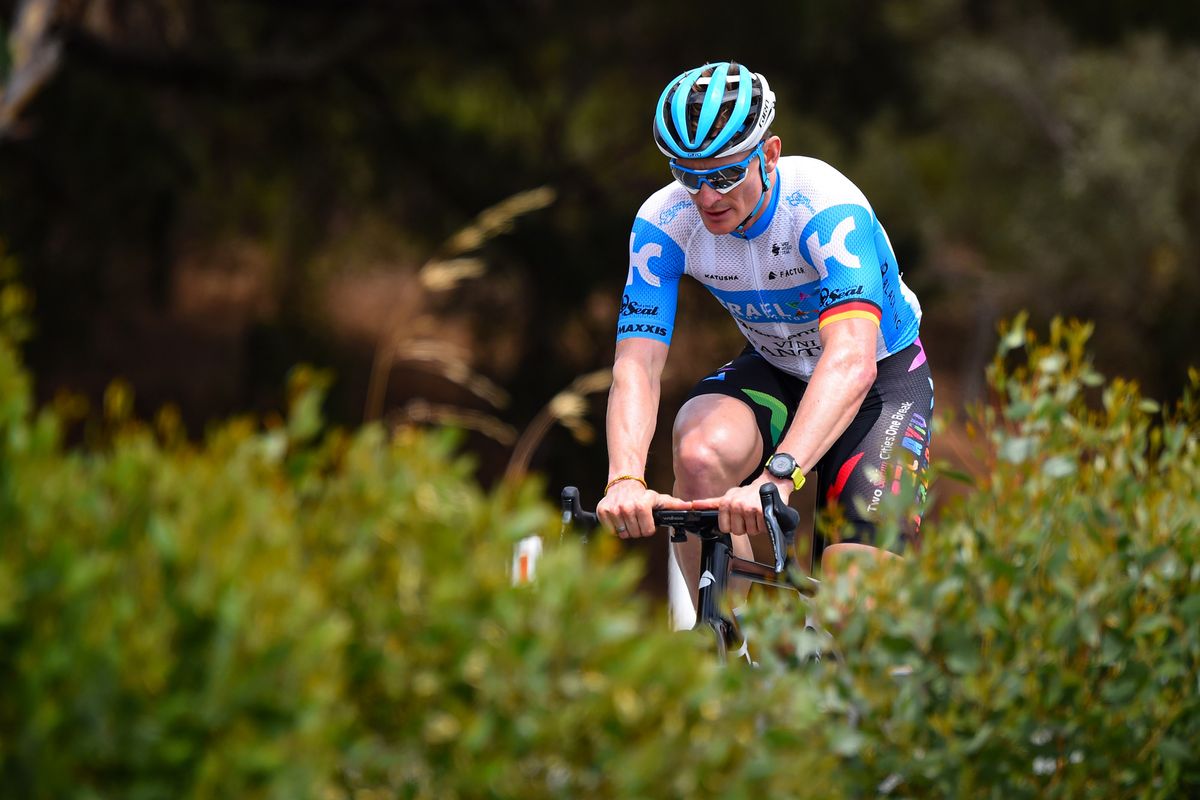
{"points": [[833, 377]]}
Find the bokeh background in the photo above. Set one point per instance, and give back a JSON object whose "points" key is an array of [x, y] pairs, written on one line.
{"points": [[432, 199]]}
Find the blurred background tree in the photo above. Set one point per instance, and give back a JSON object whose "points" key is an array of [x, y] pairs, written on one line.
{"points": [[202, 193]]}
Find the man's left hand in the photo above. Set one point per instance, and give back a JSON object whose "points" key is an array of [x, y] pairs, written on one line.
{"points": [[739, 510]]}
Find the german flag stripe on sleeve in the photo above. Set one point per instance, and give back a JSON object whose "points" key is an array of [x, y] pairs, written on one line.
{"points": [[852, 309]]}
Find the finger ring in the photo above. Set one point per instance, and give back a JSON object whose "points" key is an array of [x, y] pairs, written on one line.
{"points": [[621, 529]]}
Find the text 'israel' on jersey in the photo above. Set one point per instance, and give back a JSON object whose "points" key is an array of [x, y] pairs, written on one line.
{"points": [[816, 255]]}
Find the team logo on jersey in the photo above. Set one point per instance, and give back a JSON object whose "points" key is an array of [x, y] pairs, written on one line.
{"points": [[642, 327], [805, 306], [639, 261], [784, 273], [795, 305], [669, 214], [630, 306], [652, 253], [839, 237], [719, 375], [798, 199], [831, 296]]}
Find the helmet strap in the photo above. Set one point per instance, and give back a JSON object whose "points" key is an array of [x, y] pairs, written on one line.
{"points": [[766, 187]]}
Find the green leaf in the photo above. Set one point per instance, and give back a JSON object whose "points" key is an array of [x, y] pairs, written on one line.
{"points": [[1120, 691], [981, 737], [1173, 749], [1189, 609], [1014, 338], [962, 652], [1148, 625], [846, 741], [1059, 467], [958, 476], [1017, 450], [1052, 364]]}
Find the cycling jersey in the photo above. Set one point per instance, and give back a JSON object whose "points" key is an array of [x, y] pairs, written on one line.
{"points": [[816, 255]]}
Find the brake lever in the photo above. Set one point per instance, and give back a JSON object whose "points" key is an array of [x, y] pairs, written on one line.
{"points": [[572, 512], [775, 512]]}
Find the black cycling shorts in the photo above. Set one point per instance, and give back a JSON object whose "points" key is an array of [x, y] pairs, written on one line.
{"points": [[884, 451]]}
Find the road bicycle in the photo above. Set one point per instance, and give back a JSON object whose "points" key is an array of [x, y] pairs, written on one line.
{"points": [[718, 563]]}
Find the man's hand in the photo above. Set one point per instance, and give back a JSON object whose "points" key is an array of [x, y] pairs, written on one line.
{"points": [[628, 508], [739, 510]]}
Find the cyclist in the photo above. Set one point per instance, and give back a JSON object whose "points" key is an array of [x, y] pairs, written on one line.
{"points": [[833, 377]]}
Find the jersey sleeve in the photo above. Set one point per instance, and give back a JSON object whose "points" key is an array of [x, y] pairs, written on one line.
{"points": [[656, 262], [841, 243]]}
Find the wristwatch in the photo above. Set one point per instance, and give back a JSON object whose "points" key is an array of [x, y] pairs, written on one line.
{"points": [[782, 465]]}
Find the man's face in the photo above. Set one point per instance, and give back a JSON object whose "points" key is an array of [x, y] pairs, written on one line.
{"points": [[721, 213]]}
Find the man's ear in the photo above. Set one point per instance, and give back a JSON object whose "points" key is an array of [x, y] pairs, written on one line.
{"points": [[772, 148]]}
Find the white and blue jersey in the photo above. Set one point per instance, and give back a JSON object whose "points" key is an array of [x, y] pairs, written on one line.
{"points": [[816, 255]]}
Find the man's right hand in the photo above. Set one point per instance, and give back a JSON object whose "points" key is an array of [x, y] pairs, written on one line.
{"points": [[628, 508]]}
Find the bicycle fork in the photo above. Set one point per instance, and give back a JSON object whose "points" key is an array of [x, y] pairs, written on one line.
{"points": [[714, 572]]}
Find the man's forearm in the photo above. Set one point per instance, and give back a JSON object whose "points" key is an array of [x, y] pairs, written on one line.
{"points": [[833, 397], [632, 416]]}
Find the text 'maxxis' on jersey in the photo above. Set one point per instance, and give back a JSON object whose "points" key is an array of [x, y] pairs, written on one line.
{"points": [[817, 255]]}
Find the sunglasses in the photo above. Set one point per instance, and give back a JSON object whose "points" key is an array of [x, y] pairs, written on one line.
{"points": [[722, 179]]}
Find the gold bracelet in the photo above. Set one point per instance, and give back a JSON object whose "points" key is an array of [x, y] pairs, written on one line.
{"points": [[620, 478]]}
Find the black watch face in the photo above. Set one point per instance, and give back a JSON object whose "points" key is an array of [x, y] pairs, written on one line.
{"points": [[782, 466]]}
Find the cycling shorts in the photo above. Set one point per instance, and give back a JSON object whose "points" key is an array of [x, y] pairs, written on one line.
{"points": [[884, 451]]}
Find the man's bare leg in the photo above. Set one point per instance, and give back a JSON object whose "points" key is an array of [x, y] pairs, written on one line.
{"points": [[716, 444], [843, 559]]}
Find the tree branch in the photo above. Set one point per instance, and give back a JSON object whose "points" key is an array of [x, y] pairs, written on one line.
{"points": [[36, 54]]}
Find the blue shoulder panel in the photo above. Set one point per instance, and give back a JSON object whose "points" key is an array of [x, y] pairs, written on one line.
{"points": [[858, 272], [656, 263]]}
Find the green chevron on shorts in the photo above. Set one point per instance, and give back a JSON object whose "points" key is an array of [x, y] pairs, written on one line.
{"points": [[777, 409]]}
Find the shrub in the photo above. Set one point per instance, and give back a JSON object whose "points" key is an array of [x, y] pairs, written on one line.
{"points": [[280, 613], [284, 611], [1046, 640]]}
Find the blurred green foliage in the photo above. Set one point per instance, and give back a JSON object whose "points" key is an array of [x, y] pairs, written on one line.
{"points": [[1045, 641], [286, 611]]}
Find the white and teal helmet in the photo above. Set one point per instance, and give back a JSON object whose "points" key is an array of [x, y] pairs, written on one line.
{"points": [[713, 111]]}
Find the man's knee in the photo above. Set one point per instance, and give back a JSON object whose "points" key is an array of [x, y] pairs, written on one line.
{"points": [[716, 445]]}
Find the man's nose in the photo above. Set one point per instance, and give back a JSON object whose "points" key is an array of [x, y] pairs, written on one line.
{"points": [[707, 194]]}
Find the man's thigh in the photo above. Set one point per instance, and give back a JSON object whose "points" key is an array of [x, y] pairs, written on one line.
{"points": [[756, 387]]}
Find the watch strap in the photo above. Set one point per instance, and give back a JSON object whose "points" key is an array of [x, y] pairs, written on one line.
{"points": [[796, 475]]}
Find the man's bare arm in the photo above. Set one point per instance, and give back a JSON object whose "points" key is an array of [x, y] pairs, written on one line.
{"points": [[844, 374], [633, 404], [632, 415]]}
